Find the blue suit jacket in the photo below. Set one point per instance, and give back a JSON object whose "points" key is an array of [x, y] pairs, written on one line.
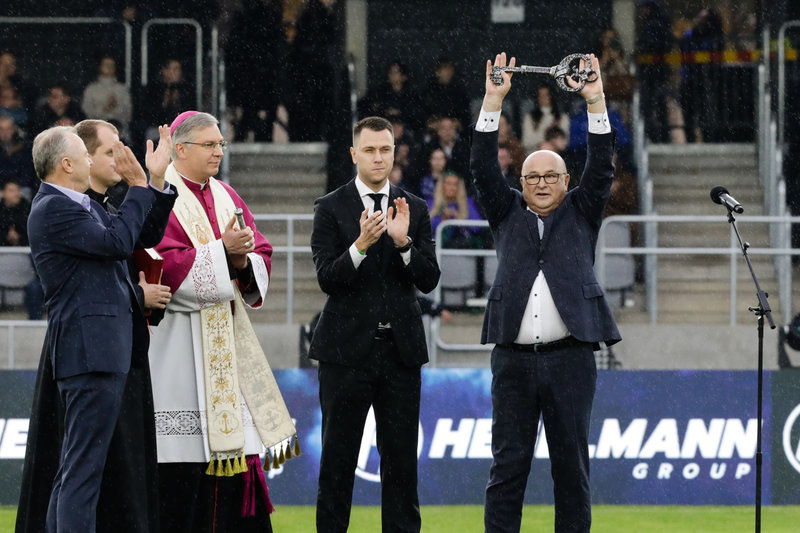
{"points": [[80, 258], [566, 255]]}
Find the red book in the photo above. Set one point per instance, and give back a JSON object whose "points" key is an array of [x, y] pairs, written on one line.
{"points": [[149, 261]]}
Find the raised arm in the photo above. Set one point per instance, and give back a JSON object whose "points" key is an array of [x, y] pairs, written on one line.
{"points": [[494, 193]]}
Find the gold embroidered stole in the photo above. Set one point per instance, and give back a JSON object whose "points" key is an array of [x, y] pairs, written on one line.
{"points": [[232, 356]]}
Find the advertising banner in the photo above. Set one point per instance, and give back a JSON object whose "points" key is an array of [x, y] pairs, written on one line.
{"points": [[657, 437], [786, 437]]}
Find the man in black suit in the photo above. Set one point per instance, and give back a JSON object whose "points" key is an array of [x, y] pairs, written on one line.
{"points": [[543, 362], [369, 341]]}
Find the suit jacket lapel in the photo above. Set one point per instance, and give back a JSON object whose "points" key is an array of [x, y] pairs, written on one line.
{"points": [[531, 220], [387, 244]]}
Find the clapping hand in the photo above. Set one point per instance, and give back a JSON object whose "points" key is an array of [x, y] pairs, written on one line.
{"points": [[127, 166], [397, 223], [158, 159]]}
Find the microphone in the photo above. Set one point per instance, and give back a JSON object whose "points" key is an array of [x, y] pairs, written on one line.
{"points": [[719, 195]]}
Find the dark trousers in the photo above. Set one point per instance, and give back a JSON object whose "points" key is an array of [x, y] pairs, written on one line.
{"points": [[91, 409], [195, 502], [560, 386], [345, 395]]}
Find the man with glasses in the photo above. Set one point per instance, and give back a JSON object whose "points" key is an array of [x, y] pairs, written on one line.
{"points": [[216, 402], [543, 362]]}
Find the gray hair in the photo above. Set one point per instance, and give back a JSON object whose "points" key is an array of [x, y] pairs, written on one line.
{"points": [[185, 130], [48, 149]]}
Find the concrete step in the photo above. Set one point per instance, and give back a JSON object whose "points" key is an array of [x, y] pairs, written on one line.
{"points": [[750, 196], [711, 156], [279, 178], [710, 268], [742, 176]]}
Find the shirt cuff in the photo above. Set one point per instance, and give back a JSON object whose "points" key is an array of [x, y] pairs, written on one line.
{"points": [[355, 255], [406, 256], [598, 123], [167, 189], [488, 121]]}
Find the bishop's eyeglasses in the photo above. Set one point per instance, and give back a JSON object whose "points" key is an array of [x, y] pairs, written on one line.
{"points": [[223, 145]]}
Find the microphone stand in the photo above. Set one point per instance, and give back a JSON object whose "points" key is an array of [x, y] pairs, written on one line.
{"points": [[760, 311]]}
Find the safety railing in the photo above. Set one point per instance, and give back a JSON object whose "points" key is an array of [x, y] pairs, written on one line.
{"points": [[651, 223], [198, 51], [290, 249], [84, 20], [780, 253], [12, 326]]}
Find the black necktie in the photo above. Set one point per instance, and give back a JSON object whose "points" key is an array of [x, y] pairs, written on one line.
{"points": [[375, 249]]}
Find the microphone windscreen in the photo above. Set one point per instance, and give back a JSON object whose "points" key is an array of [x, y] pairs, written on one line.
{"points": [[716, 192]]}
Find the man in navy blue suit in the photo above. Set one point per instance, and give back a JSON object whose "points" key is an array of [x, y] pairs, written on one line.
{"points": [[543, 361], [79, 252]]}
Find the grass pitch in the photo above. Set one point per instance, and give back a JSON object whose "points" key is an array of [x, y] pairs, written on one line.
{"points": [[539, 518]]}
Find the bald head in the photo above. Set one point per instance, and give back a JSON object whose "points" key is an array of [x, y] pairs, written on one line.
{"points": [[546, 158], [538, 169]]}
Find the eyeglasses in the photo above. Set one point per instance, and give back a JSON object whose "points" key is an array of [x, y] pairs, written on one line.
{"points": [[222, 145], [550, 178]]}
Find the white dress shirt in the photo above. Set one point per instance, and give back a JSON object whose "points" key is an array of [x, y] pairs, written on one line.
{"points": [[541, 321], [364, 192]]}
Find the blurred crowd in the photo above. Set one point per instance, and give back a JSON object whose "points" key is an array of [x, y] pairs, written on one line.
{"points": [[286, 76]]}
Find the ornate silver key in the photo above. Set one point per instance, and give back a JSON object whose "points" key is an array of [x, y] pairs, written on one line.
{"points": [[569, 66]]}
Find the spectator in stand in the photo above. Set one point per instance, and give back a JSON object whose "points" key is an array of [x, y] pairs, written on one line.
{"points": [[58, 110], [617, 79], [11, 105], [506, 135], [654, 37], [396, 177], [456, 148], [393, 98], [555, 140], [546, 112], [445, 95], [698, 80], [450, 202], [437, 162], [14, 211], [624, 199], [504, 158], [317, 63], [254, 59], [106, 98], [167, 96], [10, 77], [576, 149], [15, 157], [404, 145]]}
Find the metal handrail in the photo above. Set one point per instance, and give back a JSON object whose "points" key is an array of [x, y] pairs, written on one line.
{"points": [[733, 251], [12, 325], [85, 20], [649, 221], [290, 250], [198, 51]]}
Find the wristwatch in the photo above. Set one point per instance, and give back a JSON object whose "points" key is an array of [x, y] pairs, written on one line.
{"points": [[406, 247]]}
